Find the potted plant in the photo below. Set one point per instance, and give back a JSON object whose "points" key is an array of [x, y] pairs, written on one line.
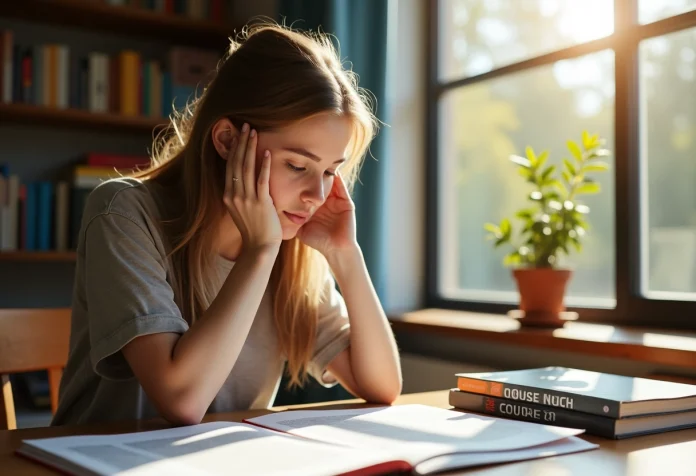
{"points": [[554, 223]]}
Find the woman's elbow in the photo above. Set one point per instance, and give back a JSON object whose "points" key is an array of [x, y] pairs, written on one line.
{"points": [[182, 412], [391, 395], [382, 398], [384, 395]]}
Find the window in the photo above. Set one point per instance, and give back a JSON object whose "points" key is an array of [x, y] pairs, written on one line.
{"points": [[477, 36], [653, 10], [668, 165], [506, 74]]}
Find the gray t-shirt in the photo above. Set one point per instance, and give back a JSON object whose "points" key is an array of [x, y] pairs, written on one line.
{"points": [[123, 290]]}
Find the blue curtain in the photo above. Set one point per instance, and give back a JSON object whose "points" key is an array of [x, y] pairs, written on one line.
{"points": [[360, 27]]}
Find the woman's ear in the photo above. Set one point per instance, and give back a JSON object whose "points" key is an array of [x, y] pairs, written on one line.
{"points": [[223, 132]]}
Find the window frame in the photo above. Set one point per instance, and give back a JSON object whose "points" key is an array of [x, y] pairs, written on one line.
{"points": [[631, 307]]}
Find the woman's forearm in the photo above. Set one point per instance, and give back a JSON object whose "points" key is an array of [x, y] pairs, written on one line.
{"points": [[204, 356], [374, 356]]}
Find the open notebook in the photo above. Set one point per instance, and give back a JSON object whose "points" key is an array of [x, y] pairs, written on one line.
{"points": [[412, 438]]}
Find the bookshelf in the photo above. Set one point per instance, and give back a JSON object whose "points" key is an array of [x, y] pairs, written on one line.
{"points": [[125, 20], [158, 29], [19, 113]]}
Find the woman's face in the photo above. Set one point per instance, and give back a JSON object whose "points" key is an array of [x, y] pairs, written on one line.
{"points": [[304, 158]]}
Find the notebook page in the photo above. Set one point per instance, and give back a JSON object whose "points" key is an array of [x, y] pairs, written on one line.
{"points": [[413, 432], [467, 460], [218, 448]]}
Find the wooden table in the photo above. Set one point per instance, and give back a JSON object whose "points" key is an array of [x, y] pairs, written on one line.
{"points": [[672, 453]]}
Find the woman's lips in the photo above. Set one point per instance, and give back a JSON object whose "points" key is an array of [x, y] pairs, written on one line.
{"points": [[297, 219]]}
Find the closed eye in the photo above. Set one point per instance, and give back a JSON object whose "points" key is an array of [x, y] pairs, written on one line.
{"points": [[302, 169]]}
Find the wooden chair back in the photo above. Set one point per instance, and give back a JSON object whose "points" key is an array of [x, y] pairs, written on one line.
{"points": [[31, 340]]}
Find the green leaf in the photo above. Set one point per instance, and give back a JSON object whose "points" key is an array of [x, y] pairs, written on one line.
{"points": [[590, 141], [512, 259], [560, 187], [566, 176], [521, 161], [548, 172], [500, 241], [490, 227], [543, 157], [564, 247], [525, 214], [602, 153], [552, 195], [569, 166], [526, 173], [582, 224], [575, 150], [505, 227], [588, 188], [596, 167], [533, 161]]}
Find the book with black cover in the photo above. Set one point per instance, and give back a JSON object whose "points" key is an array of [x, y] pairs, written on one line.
{"points": [[598, 393], [616, 428]]}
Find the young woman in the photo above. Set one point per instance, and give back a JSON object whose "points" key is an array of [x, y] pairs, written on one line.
{"points": [[200, 277]]}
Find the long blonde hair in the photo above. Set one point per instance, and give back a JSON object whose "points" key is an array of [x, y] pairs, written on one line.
{"points": [[271, 77]]}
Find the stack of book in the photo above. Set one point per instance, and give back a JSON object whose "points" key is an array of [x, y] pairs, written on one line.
{"points": [[607, 405]]}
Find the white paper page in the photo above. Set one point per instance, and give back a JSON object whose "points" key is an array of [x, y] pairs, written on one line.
{"points": [[572, 444], [219, 448], [414, 432]]}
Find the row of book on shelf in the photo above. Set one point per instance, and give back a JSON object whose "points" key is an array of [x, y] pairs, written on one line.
{"points": [[211, 10], [602, 404], [126, 83], [44, 215]]}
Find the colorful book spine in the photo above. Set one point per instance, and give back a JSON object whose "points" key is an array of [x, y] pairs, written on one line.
{"points": [[38, 74], [31, 217], [535, 413], [551, 398], [45, 216], [6, 65], [129, 65]]}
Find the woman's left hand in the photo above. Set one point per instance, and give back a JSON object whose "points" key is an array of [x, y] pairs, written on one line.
{"points": [[331, 229]]}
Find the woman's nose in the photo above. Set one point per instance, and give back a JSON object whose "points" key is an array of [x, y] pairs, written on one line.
{"points": [[314, 192]]}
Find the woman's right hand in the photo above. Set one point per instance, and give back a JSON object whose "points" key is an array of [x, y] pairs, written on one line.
{"points": [[247, 198]]}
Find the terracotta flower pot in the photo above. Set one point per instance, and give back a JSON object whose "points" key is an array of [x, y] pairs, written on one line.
{"points": [[542, 291]]}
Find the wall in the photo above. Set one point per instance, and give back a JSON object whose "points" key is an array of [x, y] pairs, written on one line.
{"points": [[406, 189]]}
